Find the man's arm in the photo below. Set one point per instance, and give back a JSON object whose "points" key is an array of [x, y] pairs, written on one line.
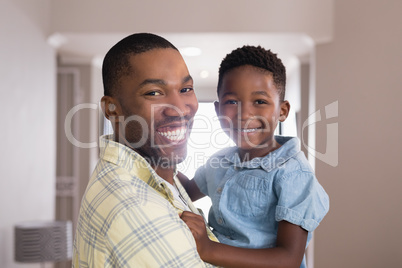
{"points": [[289, 250], [190, 186]]}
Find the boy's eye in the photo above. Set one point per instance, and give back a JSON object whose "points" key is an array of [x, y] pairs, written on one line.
{"points": [[187, 89], [231, 102], [260, 102], [153, 93]]}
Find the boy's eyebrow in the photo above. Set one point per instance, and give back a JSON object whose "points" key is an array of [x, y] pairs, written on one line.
{"points": [[261, 92], [227, 93]]}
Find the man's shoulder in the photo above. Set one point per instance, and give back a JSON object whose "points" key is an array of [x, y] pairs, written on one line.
{"points": [[111, 191]]}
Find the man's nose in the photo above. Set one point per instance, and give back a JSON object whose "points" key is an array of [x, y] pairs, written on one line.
{"points": [[177, 106]]}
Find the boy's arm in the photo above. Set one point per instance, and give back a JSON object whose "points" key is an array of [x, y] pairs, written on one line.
{"points": [[289, 250], [190, 186]]}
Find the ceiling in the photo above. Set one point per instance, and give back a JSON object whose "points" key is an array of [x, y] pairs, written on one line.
{"points": [[78, 48]]}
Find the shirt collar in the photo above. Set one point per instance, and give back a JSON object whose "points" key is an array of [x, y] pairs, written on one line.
{"points": [[130, 160], [289, 147]]}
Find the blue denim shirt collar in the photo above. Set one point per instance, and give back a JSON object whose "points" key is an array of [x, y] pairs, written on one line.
{"points": [[289, 147]]}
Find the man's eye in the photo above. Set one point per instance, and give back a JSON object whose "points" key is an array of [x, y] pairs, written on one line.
{"points": [[153, 93], [230, 102], [187, 89]]}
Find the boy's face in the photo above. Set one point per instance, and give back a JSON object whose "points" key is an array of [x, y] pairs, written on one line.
{"points": [[249, 109]]}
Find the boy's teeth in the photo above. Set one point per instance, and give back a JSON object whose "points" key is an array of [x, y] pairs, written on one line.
{"points": [[248, 129], [175, 135]]}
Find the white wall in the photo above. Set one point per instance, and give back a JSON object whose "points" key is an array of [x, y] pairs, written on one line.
{"points": [[27, 159], [361, 69], [122, 16]]}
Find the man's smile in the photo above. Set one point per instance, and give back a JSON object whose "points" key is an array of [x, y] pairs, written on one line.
{"points": [[173, 133]]}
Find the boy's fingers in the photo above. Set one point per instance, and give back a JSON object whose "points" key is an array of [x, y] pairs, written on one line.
{"points": [[189, 215], [193, 220]]}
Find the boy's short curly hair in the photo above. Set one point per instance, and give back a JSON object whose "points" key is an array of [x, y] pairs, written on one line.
{"points": [[258, 57]]}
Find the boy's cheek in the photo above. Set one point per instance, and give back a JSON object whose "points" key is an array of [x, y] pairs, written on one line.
{"points": [[226, 124]]}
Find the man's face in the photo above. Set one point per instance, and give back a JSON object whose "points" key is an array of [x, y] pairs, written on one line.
{"points": [[158, 103]]}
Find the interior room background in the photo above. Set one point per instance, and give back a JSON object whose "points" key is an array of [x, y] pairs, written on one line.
{"points": [[342, 56]]}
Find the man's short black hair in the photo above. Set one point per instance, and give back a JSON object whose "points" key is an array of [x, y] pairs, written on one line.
{"points": [[117, 60], [258, 57]]}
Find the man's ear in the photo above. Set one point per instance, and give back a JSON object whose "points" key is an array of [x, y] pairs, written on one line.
{"points": [[285, 108], [111, 108], [216, 104]]}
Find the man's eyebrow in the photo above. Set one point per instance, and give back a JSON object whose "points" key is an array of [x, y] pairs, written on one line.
{"points": [[188, 78], [153, 81], [162, 82]]}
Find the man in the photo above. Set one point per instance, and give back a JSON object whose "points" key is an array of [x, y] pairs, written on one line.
{"points": [[129, 215]]}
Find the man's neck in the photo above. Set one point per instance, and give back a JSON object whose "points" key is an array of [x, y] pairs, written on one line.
{"points": [[165, 173]]}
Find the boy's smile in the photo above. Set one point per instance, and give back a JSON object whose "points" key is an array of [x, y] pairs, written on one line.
{"points": [[249, 109]]}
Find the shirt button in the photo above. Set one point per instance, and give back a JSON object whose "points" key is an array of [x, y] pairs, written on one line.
{"points": [[220, 221], [219, 190]]}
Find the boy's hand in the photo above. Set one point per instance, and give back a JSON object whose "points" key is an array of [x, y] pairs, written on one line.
{"points": [[198, 229]]}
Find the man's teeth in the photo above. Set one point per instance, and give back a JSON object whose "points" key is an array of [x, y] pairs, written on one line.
{"points": [[175, 135]]}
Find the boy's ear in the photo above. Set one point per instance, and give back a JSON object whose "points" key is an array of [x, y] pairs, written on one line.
{"points": [[216, 104], [111, 108], [285, 107]]}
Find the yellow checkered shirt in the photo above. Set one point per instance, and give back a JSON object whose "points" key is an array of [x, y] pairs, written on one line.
{"points": [[129, 218]]}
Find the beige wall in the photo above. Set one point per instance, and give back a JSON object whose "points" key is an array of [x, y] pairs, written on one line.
{"points": [[361, 69], [28, 132]]}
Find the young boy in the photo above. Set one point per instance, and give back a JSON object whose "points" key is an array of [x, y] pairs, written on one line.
{"points": [[266, 200]]}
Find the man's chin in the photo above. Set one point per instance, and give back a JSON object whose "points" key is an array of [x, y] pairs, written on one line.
{"points": [[166, 162], [166, 157], [175, 158]]}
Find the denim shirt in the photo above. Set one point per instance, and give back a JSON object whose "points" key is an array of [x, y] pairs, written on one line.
{"points": [[250, 198]]}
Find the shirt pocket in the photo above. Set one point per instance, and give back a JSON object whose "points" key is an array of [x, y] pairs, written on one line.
{"points": [[248, 195]]}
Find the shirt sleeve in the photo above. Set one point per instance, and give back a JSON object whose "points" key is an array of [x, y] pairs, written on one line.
{"points": [[200, 179], [151, 237], [301, 200]]}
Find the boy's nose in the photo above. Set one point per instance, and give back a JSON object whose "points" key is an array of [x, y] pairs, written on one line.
{"points": [[245, 111]]}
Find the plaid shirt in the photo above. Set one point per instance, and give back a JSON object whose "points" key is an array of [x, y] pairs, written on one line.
{"points": [[129, 218]]}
